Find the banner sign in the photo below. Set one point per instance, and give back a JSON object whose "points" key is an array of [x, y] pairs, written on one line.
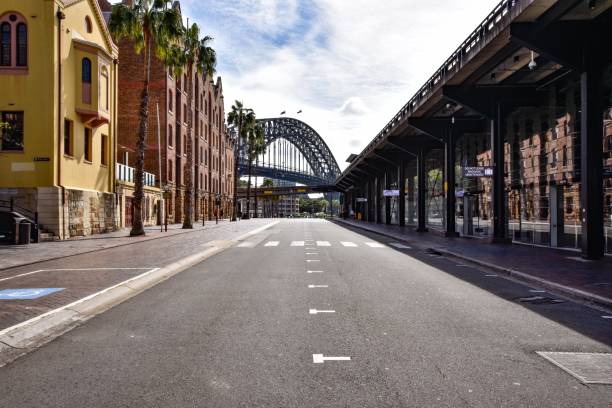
{"points": [[484, 171], [361, 200], [391, 193]]}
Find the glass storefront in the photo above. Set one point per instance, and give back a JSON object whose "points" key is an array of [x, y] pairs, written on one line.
{"points": [[435, 202], [411, 187]]}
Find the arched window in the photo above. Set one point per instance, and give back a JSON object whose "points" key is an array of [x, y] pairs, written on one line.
{"points": [[22, 45], [88, 25], [564, 156], [5, 45], [86, 80], [170, 100], [13, 41]]}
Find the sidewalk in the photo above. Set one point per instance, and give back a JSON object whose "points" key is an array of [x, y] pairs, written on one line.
{"points": [[554, 269], [12, 256]]}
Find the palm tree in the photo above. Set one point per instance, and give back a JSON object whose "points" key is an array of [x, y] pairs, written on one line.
{"points": [[148, 23], [242, 118], [191, 52], [256, 146]]}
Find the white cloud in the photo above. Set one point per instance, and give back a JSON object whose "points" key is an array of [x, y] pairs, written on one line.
{"points": [[350, 66]]}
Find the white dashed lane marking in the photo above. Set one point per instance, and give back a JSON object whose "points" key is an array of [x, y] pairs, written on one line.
{"points": [[348, 244], [374, 245], [323, 243], [297, 243], [317, 286], [315, 311], [314, 271], [246, 244], [272, 243], [320, 358]]}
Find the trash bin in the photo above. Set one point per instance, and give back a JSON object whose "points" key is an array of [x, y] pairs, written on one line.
{"points": [[23, 234]]}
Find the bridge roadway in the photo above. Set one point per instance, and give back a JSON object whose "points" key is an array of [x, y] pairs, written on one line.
{"points": [[281, 191]]}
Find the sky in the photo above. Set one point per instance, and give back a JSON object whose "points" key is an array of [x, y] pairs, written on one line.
{"points": [[349, 65]]}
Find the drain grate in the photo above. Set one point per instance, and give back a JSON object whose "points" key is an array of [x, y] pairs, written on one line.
{"points": [[589, 368], [539, 300]]}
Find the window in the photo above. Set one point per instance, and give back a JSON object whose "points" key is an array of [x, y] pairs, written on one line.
{"points": [[170, 135], [564, 156], [5, 45], [169, 170], [104, 89], [86, 80], [185, 113], [170, 100], [88, 26], [87, 144], [13, 41], [12, 135], [104, 150], [569, 205], [68, 138]]}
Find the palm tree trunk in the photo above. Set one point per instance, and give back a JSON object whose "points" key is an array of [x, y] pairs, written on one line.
{"points": [[236, 159], [248, 211], [187, 203], [137, 224]]}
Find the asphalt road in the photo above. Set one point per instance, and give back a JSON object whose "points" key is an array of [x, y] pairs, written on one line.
{"points": [[236, 331]]}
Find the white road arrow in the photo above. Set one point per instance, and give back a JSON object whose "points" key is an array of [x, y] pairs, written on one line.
{"points": [[320, 358], [317, 286], [315, 311]]}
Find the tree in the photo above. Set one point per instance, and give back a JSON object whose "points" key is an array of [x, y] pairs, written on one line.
{"points": [[191, 52], [148, 23], [256, 145], [242, 118]]}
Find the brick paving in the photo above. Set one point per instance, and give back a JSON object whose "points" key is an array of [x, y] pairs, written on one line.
{"points": [[110, 263], [557, 266]]}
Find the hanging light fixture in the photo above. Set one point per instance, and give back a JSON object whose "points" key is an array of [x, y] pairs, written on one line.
{"points": [[532, 64]]}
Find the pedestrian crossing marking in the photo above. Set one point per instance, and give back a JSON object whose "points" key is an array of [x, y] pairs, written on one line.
{"points": [[374, 245], [272, 243], [399, 246], [348, 244], [297, 243], [323, 243]]}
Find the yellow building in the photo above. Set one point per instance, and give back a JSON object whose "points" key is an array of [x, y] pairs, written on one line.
{"points": [[58, 75]]}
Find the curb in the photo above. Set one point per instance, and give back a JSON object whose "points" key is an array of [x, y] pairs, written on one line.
{"points": [[27, 336], [573, 293]]}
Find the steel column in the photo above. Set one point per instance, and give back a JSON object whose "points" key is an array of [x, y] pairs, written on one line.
{"points": [[498, 131], [422, 224], [591, 164], [401, 183], [449, 183], [387, 199]]}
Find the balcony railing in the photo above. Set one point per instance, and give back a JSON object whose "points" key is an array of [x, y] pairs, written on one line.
{"points": [[126, 173]]}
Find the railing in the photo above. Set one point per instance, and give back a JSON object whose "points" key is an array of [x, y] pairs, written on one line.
{"points": [[497, 20], [126, 173]]}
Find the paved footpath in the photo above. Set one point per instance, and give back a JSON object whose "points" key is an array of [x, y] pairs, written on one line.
{"points": [[310, 314], [114, 259], [561, 270]]}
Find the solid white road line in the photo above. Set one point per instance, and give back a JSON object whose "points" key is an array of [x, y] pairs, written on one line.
{"points": [[317, 286], [537, 291], [491, 276], [297, 243], [272, 243], [314, 271], [323, 243], [399, 246], [348, 244], [320, 358], [69, 270], [374, 245], [315, 311]]}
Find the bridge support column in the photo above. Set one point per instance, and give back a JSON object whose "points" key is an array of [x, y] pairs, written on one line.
{"points": [[421, 193], [449, 182], [401, 184], [498, 132], [377, 208]]}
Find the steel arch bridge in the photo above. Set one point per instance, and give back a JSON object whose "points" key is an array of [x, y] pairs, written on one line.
{"points": [[295, 153]]}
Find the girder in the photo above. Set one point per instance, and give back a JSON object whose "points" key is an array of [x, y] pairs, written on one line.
{"points": [[308, 142]]}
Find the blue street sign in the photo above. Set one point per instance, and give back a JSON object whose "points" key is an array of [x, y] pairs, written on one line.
{"points": [[26, 293]]}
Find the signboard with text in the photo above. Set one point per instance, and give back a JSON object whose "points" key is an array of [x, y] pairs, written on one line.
{"points": [[482, 171], [391, 193]]}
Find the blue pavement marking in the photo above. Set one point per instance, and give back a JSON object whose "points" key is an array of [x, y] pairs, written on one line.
{"points": [[26, 293]]}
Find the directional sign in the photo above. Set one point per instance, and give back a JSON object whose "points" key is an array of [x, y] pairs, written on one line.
{"points": [[482, 171], [26, 293], [320, 358]]}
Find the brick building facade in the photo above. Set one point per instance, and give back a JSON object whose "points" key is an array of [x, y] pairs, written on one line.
{"points": [[168, 106]]}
